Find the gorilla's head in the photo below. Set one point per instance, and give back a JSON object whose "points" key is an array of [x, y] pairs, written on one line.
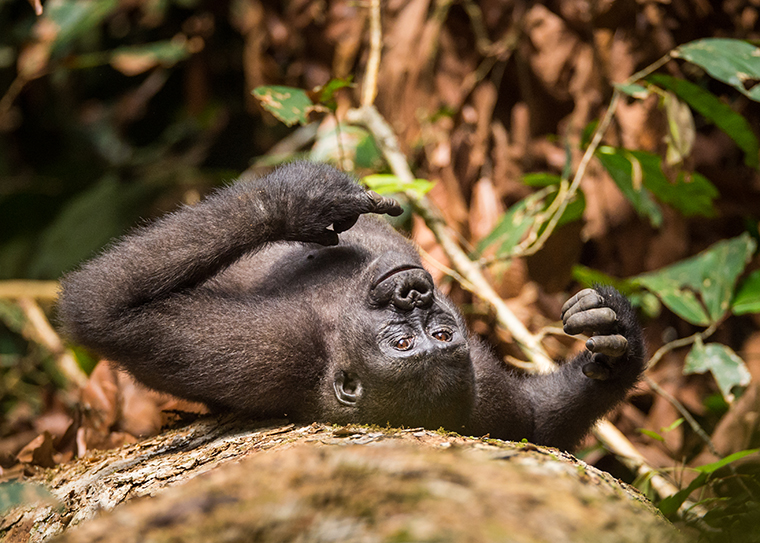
{"points": [[410, 363]]}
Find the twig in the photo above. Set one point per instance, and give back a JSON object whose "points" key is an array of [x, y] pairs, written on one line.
{"points": [[684, 413], [44, 334], [683, 342], [40, 290], [6, 102], [369, 87], [476, 281]]}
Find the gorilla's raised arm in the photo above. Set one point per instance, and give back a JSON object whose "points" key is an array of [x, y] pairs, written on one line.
{"points": [[216, 303]]}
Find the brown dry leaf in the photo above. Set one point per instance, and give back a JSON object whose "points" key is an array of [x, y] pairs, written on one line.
{"points": [[739, 429], [131, 64], [33, 60], [39, 452], [554, 49], [100, 398], [485, 209]]}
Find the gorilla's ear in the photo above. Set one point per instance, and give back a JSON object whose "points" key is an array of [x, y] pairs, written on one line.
{"points": [[348, 388]]}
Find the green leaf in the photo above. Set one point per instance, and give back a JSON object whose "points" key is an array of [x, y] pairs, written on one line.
{"points": [[633, 90], [326, 93], [541, 179], [678, 422], [346, 142], [391, 184], [628, 175], [88, 222], [669, 505], [712, 109], [77, 18], [681, 131], [711, 274], [692, 193], [747, 299], [735, 62], [650, 433], [514, 224], [727, 368], [522, 216], [710, 468], [289, 104]]}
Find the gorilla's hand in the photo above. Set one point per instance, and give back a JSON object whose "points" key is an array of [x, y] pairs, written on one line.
{"points": [[318, 202], [589, 313]]}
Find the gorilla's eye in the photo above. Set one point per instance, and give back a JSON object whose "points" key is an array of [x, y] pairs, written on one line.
{"points": [[404, 344], [443, 335]]}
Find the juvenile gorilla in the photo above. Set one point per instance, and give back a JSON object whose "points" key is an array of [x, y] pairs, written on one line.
{"points": [[249, 301]]}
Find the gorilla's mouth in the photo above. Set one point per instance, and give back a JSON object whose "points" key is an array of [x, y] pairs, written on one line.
{"points": [[393, 272]]}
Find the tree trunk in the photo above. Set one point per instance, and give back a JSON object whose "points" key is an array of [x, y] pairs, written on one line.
{"points": [[323, 483]]}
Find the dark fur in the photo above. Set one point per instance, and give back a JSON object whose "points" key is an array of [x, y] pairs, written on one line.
{"points": [[215, 303]]}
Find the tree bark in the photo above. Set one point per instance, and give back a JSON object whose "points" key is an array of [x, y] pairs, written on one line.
{"points": [[274, 482]]}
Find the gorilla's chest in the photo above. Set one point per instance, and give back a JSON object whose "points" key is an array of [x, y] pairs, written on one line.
{"points": [[288, 270]]}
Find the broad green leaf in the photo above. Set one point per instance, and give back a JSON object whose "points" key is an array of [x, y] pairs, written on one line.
{"points": [[727, 368], [633, 90], [627, 173], [589, 277], [681, 131], [747, 299], [692, 193], [391, 184], [86, 223], [711, 274], [573, 211], [76, 18], [735, 62], [711, 108], [289, 104], [347, 142], [670, 504], [514, 224], [522, 216]]}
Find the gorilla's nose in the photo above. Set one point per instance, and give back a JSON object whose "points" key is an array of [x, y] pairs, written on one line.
{"points": [[413, 288], [405, 288]]}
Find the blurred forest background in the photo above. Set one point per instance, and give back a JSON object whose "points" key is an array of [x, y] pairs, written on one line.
{"points": [[113, 112]]}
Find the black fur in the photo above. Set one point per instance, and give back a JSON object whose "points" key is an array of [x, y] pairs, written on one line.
{"points": [[216, 303]]}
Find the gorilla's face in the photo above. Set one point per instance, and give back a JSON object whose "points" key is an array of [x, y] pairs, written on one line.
{"points": [[415, 356]]}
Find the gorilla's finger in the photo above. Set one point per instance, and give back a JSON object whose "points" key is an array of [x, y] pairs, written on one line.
{"points": [[326, 238], [615, 345], [591, 321], [382, 204], [585, 299], [345, 224], [595, 370]]}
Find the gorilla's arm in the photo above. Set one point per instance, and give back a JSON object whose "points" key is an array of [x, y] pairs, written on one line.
{"points": [[559, 408], [145, 302]]}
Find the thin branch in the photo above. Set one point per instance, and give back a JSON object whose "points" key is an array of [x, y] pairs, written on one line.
{"points": [[369, 87], [683, 342], [684, 413], [43, 333], [40, 290]]}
